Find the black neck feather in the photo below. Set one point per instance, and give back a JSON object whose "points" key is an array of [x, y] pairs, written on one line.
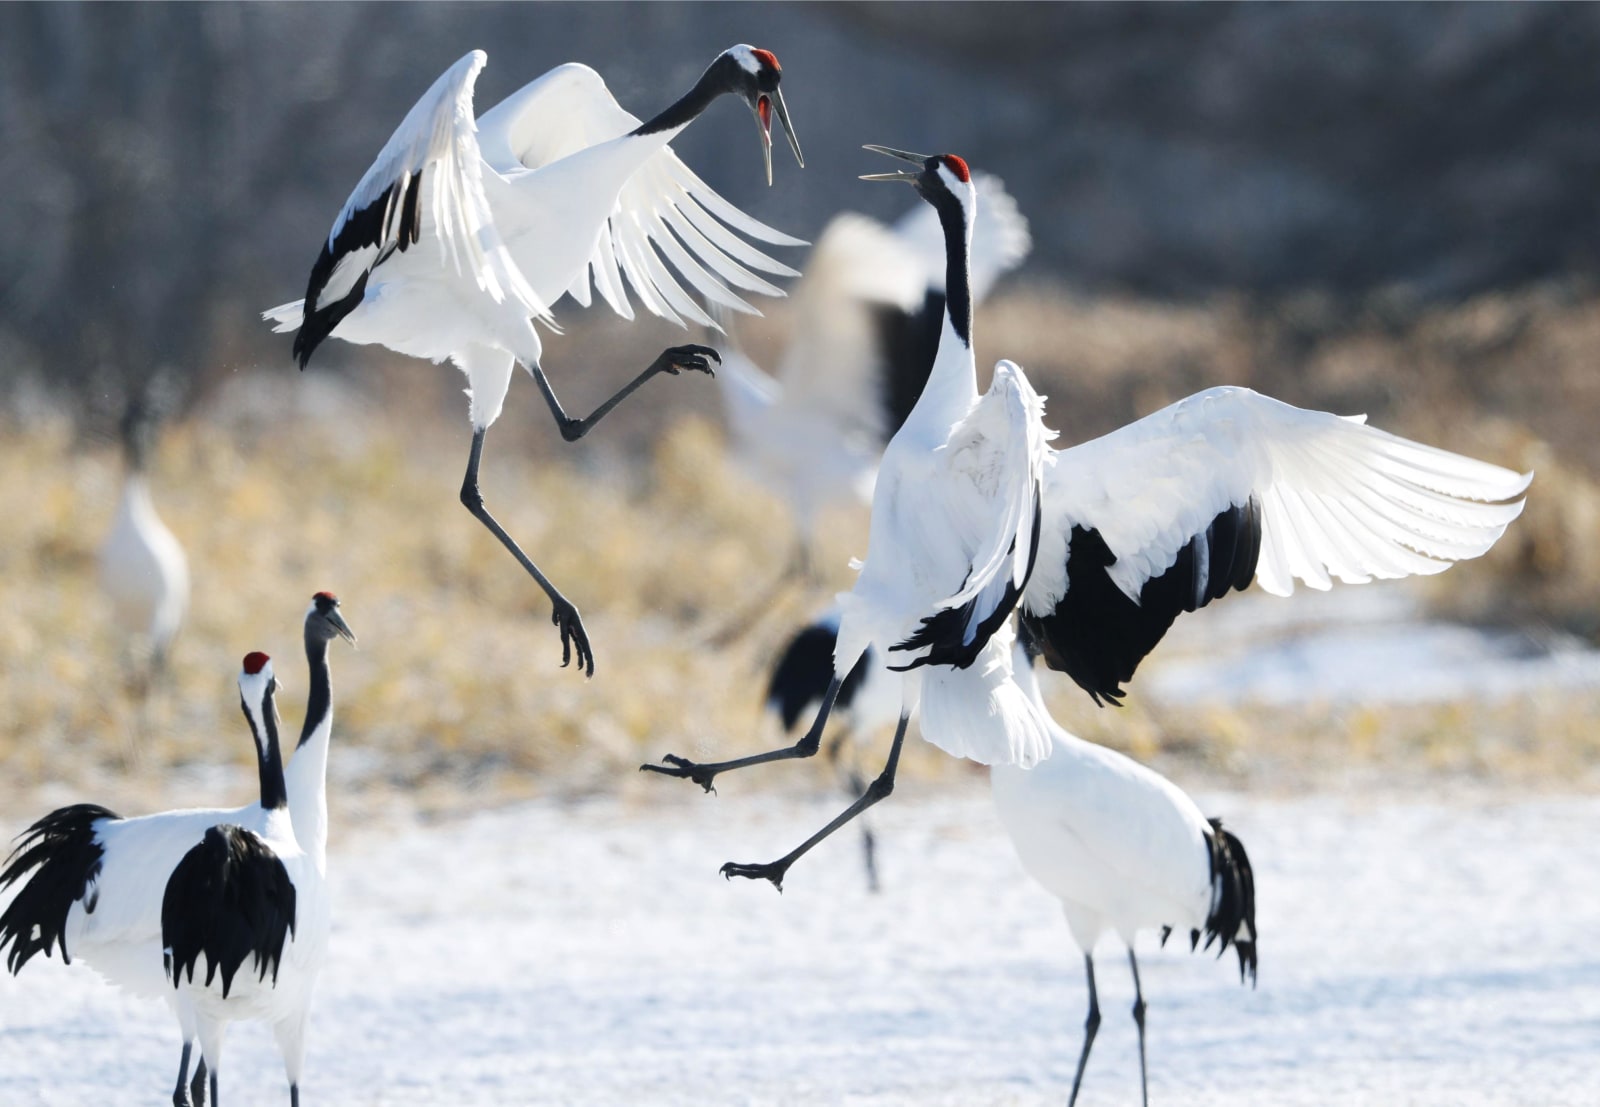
{"points": [[712, 83], [320, 698], [269, 757], [957, 280]]}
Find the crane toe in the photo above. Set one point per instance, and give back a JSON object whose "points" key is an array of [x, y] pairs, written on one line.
{"points": [[684, 768], [772, 870], [689, 358], [574, 639]]}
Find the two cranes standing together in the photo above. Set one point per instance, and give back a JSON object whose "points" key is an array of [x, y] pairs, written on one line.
{"points": [[988, 548]]}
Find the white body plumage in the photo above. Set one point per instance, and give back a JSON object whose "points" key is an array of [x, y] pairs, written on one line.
{"points": [[143, 571]]}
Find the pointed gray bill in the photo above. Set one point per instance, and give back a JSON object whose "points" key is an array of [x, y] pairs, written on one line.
{"points": [[899, 175]]}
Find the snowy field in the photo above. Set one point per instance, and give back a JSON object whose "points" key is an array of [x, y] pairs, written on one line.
{"points": [[1357, 646], [1430, 950]]}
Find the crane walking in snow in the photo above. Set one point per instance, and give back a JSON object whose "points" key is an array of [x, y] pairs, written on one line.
{"points": [[1124, 850], [557, 190]]}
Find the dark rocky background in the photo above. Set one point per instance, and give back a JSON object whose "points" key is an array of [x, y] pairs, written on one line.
{"points": [[169, 169]]}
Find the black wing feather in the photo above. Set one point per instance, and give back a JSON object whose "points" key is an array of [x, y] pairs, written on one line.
{"points": [[1233, 899], [373, 225], [943, 634], [63, 849], [805, 670], [1098, 636], [229, 899]]}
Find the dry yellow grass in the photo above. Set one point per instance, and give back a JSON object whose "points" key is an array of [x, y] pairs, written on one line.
{"points": [[285, 485]]}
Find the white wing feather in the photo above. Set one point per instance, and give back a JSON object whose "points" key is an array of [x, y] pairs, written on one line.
{"points": [[439, 134], [1339, 499], [1001, 448], [664, 209]]}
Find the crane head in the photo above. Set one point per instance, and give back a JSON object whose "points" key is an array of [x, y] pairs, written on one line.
{"points": [[257, 686], [323, 621], [755, 75], [935, 170]]}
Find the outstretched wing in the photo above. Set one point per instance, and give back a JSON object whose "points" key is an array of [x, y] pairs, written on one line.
{"points": [[996, 457], [229, 899], [1185, 505], [664, 211], [426, 182]]}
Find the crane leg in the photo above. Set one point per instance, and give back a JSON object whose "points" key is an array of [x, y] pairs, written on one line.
{"points": [[854, 784], [1090, 1025], [672, 360], [1138, 1017], [574, 639], [180, 1095], [877, 790], [704, 774], [198, 1087]]}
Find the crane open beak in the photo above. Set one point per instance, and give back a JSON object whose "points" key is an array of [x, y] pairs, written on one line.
{"points": [[919, 160], [766, 106]]}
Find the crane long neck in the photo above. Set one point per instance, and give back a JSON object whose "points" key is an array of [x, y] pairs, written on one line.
{"points": [[952, 386], [687, 107], [269, 755], [957, 274], [319, 700], [307, 775]]}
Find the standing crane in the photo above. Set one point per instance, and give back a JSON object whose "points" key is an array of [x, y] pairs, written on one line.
{"points": [[247, 893], [142, 567], [95, 880], [1103, 544], [557, 190], [1124, 850]]}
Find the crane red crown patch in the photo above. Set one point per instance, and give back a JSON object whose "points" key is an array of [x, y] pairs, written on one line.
{"points": [[326, 597], [957, 166], [255, 662], [767, 58]]}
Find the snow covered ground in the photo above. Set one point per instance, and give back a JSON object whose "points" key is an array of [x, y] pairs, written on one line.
{"points": [[1427, 950], [1356, 645]]}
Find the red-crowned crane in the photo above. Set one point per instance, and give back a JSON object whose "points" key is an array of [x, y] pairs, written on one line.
{"points": [[1124, 850], [465, 231], [954, 524], [92, 881], [1106, 543], [247, 897]]}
